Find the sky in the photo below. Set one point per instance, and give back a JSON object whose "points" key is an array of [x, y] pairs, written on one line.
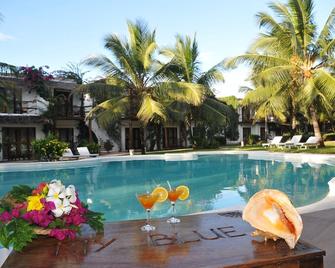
{"points": [[56, 32]]}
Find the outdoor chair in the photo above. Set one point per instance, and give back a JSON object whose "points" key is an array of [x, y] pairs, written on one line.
{"points": [[311, 142], [275, 142], [291, 143], [67, 155], [84, 152]]}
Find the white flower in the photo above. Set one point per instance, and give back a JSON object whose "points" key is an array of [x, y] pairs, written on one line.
{"points": [[56, 191], [62, 207], [70, 193]]}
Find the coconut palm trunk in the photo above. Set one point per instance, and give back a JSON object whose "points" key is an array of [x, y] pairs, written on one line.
{"points": [[315, 123], [143, 134], [130, 136], [266, 127]]}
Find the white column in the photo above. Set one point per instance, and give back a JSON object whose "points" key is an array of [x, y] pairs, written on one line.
{"points": [[123, 138]]}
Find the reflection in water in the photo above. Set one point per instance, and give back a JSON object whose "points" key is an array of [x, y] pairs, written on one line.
{"points": [[215, 182]]}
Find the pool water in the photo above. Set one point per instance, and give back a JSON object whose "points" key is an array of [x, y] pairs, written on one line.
{"points": [[215, 182]]}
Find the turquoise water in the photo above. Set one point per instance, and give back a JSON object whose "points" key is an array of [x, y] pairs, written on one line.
{"points": [[215, 182]]}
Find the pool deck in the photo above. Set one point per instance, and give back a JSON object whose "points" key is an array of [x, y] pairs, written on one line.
{"points": [[319, 230], [314, 160]]}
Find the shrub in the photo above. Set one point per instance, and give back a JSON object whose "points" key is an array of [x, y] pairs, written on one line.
{"points": [[108, 145], [94, 148], [49, 149], [253, 139], [221, 140], [329, 137]]}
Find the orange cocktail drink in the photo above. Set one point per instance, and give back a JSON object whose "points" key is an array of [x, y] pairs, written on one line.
{"points": [[174, 194], [147, 200], [181, 193]]}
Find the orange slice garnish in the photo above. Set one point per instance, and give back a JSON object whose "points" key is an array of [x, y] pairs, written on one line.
{"points": [[185, 192], [161, 192]]}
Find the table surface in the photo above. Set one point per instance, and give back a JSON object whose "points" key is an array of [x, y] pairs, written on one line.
{"points": [[206, 240]]}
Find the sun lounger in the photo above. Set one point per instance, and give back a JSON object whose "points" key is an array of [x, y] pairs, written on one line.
{"points": [[291, 143], [311, 142], [84, 152], [67, 155], [275, 142]]}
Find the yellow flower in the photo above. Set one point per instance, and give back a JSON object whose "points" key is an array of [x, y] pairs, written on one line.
{"points": [[34, 203]]}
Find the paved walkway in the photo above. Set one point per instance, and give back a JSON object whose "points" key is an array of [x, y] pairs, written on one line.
{"points": [[319, 230]]}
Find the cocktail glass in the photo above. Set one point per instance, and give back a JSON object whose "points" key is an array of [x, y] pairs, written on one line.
{"points": [[147, 201], [173, 196]]}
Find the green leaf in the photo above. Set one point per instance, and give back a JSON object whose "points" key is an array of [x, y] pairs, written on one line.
{"points": [[95, 220], [21, 192], [17, 234], [57, 223]]}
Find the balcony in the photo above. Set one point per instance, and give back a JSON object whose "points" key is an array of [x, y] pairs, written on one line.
{"points": [[67, 112]]}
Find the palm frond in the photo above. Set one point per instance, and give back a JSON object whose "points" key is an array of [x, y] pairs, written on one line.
{"points": [[109, 111], [150, 109], [263, 61], [184, 92]]}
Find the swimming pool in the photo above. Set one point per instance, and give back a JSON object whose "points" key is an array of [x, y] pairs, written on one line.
{"points": [[215, 182]]}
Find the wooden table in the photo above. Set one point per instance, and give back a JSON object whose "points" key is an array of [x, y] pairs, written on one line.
{"points": [[207, 240]]}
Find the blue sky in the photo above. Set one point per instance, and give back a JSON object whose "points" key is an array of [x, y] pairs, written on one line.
{"points": [[55, 32]]}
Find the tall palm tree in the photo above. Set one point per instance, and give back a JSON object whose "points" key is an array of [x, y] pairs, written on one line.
{"points": [[134, 80], [267, 101], [292, 53], [184, 66]]}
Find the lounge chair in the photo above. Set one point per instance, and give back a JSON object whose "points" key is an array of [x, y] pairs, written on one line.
{"points": [[311, 142], [84, 152], [68, 155], [291, 143], [275, 142]]}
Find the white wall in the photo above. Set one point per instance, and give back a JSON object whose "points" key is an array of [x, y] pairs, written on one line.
{"points": [[103, 136], [1, 144]]}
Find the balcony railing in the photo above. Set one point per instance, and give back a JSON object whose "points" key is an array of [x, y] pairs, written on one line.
{"points": [[34, 107], [68, 111]]}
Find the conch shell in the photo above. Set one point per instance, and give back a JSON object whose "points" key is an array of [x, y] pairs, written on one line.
{"points": [[273, 215]]}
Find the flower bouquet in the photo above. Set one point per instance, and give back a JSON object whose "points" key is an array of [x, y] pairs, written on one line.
{"points": [[50, 209]]}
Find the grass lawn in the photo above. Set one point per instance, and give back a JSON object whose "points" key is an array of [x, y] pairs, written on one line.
{"points": [[328, 149]]}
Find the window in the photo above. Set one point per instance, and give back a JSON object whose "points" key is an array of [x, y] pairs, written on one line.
{"points": [[246, 133], [246, 114], [63, 102], [10, 100], [171, 138], [136, 138], [17, 142], [65, 134]]}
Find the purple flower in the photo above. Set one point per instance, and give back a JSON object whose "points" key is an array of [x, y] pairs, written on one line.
{"points": [[41, 218], [48, 206], [5, 217], [16, 213], [61, 234]]}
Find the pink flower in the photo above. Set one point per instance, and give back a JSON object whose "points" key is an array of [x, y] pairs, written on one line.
{"points": [[61, 234], [48, 206], [16, 213], [41, 217], [5, 217]]}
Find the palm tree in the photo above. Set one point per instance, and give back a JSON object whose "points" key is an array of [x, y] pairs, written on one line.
{"points": [[184, 66], [293, 54], [267, 102], [134, 80]]}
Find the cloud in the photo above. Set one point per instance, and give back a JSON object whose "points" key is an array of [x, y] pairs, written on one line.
{"points": [[5, 37], [234, 79]]}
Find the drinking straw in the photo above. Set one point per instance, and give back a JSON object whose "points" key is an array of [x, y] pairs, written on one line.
{"points": [[169, 185]]}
